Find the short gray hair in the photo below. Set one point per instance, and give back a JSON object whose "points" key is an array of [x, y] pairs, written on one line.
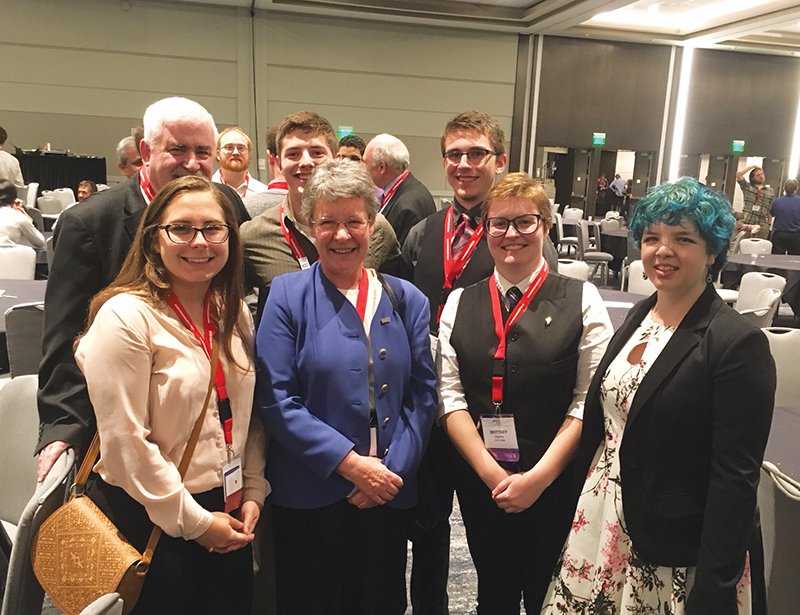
{"points": [[174, 109], [339, 179], [391, 150], [123, 147]]}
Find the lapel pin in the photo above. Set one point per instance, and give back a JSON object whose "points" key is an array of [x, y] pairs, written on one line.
{"points": [[547, 321], [385, 320]]}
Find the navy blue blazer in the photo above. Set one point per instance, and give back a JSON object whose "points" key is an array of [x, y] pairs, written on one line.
{"points": [[313, 387]]}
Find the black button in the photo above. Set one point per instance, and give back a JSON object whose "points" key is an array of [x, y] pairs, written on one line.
{"points": [[514, 337], [633, 463], [513, 369]]}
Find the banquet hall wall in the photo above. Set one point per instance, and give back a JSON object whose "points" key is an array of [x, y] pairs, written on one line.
{"points": [[79, 75]]}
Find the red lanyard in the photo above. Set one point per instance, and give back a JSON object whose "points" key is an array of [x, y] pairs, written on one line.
{"points": [[498, 369], [363, 293], [292, 240], [277, 184], [386, 197], [246, 182], [144, 184], [453, 268], [223, 403], [758, 194]]}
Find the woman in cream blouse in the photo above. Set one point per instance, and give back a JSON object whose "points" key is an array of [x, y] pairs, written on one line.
{"points": [[145, 357]]}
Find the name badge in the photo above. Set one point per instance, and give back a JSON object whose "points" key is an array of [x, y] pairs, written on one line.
{"points": [[756, 209], [304, 264], [232, 483], [500, 436]]}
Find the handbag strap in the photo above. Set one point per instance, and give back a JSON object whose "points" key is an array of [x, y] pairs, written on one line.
{"points": [[94, 449]]}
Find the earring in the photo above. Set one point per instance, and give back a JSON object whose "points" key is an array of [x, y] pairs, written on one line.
{"points": [[644, 275], [709, 277]]}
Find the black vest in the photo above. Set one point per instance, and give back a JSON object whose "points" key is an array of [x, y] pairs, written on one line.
{"points": [[541, 360], [429, 271]]}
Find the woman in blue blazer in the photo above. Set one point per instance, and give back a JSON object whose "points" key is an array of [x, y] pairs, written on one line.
{"points": [[347, 391], [675, 426]]}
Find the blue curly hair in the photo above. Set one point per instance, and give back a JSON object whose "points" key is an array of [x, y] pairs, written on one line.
{"points": [[687, 199]]}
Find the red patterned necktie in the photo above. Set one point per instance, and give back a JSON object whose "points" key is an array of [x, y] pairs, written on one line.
{"points": [[462, 235]]}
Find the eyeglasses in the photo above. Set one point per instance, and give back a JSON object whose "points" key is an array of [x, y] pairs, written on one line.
{"points": [[475, 155], [232, 147], [185, 233], [525, 225], [329, 225]]}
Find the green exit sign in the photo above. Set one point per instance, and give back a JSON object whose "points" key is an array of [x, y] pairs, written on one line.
{"points": [[598, 138], [737, 147], [343, 131]]}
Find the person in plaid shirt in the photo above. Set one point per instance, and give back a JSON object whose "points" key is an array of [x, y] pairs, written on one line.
{"points": [[757, 199]]}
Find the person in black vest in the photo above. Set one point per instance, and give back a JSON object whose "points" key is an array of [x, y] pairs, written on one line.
{"points": [[518, 350], [473, 152]]}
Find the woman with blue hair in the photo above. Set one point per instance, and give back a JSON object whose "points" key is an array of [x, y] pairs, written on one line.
{"points": [[674, 431]]}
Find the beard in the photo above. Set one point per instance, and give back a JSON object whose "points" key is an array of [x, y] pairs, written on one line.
{"points": [[234, 165]]}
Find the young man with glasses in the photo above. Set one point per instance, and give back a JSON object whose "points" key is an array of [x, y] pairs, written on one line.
{"points": [[447, 250], [233, 154]]}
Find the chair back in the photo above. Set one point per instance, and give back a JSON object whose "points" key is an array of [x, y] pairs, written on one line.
{"points": [[48, 244], [24, 326], [610, 224], [755, 246], [784, 344], [65, 195], [19, 424], [36, 216], [573, 213], [752, 284], [49, 205], [737, 242], [17, 262], [762, 314], [33, 192], [559, 226], [636, 281], [573, 269], [23, 594]]}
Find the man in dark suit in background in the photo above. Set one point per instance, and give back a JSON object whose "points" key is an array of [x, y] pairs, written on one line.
{"points": [[405, 199], [90, 244]]}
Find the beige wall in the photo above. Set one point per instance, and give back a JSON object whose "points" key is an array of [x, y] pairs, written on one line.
{"points": [[80, 74]]}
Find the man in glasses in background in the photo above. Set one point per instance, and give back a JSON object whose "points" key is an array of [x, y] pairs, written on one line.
{"points": [[444, 251], [91, 242], [233, 155]]}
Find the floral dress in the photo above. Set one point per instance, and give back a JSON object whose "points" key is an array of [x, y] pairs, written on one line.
{"points": [[599, 572]]}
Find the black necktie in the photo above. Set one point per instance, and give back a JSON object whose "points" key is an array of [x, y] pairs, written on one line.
{"points": [[513, 295]]}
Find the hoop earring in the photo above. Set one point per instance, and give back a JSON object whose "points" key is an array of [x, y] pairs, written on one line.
{"points": [[709, 277], [644, 275]]}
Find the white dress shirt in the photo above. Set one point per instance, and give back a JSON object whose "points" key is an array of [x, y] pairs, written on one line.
{"points": [[597, 332]]}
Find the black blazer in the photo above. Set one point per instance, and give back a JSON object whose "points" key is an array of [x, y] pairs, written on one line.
{"points": [[411, 203], [693, 446], [91, 242]]}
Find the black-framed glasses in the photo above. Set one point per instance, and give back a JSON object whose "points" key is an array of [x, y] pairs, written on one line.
{"points": [[329, 225], [524, 224], [475, 155], [185, 233]]}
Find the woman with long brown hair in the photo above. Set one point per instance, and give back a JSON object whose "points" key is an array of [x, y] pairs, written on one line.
{"points": [[146, 359]]}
